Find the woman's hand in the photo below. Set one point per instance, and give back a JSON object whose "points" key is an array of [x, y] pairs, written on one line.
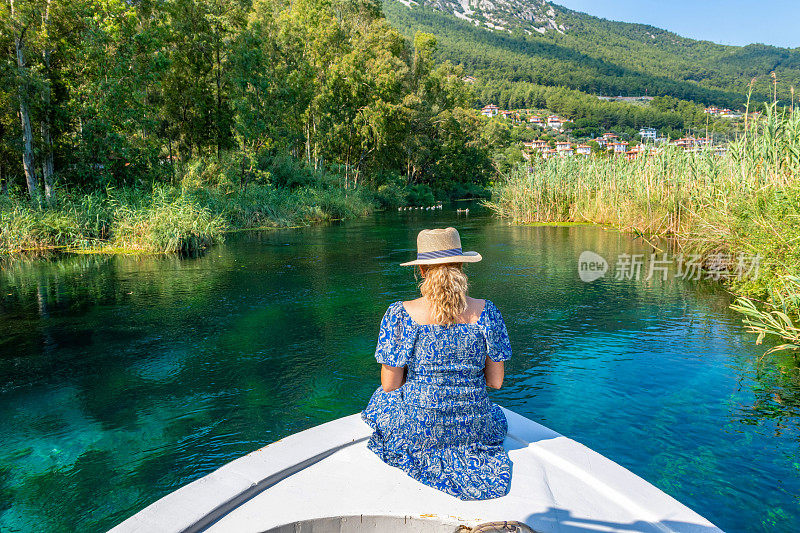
{"points": [[392, 377], [494, 373]]}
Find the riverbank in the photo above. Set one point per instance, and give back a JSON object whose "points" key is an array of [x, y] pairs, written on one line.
{"points": [[168, 219], [198, 209], [721, 209]]}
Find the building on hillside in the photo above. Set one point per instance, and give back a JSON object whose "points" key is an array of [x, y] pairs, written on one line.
{"points": [[564, 149], [618, 147], [636, 151], [468, 79], [683, 142], [536, 121], [719, 112], [692, 144], [490, 110], [648, 134], [507, 114], [548, 153], [609, 137], [687, 143], [539, 144], [583, 149], [555, 122]]}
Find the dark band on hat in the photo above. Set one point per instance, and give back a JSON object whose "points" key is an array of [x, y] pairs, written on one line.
{"points": [[439, 253]]}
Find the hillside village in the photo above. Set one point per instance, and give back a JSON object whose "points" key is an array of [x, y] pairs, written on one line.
{"points": [[608, 143]]}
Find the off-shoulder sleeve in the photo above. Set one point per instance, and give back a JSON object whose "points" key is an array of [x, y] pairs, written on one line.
{"points": [[498, 344], [396, 338]]}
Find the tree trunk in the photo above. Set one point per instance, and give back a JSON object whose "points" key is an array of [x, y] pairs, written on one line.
{"points": [[219, 101], [47, 139], [317, 158], [307, 127], [24, 114], [47, 164], [171, 157]]}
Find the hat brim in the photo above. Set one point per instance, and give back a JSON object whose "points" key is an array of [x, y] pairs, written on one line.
{"points": [[466, 257]]}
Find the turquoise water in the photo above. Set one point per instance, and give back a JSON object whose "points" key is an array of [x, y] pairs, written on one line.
{"points": [[123, 378]]}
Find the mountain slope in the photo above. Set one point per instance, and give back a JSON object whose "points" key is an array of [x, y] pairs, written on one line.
{"points": [[541, 42]]}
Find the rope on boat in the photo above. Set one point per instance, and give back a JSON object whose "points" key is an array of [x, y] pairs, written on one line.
{"points": [[503, 526]]}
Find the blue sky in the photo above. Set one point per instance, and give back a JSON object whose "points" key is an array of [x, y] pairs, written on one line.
{"points": [[723, 21]]}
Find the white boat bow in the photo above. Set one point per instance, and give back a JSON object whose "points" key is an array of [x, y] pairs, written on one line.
{"points": [[324, 479]]}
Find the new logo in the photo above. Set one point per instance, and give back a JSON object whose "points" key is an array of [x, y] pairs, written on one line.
{"points": [[591, 266]]}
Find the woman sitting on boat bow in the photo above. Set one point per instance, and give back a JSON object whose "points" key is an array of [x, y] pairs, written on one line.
{"points": [[431, 416]]}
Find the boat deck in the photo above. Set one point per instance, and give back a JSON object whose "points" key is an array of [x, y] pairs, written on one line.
{"points": [[558, 485]]}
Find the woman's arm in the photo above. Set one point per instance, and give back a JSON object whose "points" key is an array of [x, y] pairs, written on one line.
{"points": [[392, 377], [494, 373]]}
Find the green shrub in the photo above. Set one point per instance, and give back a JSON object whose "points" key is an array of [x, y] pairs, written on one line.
{"points": [[288, 172], [469, 190], [420, 195]]}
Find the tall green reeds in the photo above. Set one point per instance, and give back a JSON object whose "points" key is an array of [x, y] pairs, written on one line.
{"points": [[746, 202], [779, 319], [167, 219]]}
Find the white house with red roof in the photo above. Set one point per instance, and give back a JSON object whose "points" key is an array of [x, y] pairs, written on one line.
{"points": [[618, 147], [490, 110], [563, 146], [540, 144], [555, 122]]}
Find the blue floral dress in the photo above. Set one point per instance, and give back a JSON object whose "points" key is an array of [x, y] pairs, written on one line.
{"points": [[440, 427]]}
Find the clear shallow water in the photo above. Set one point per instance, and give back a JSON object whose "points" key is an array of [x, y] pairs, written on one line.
{"points": [[123, 378]]}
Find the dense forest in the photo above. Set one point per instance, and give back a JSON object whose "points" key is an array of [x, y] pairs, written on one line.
{"points": [[606, 57], [125, 94], [120, 120]]}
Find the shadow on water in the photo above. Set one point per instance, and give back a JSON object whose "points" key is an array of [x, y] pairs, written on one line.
{"points": [[123, 378]]}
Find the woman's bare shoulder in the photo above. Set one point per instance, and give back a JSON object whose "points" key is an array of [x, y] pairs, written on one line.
{"points": [[417, 309], [417, 303], [475, 304]]}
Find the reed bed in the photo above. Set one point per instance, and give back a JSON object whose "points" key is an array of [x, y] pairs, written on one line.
{"points": [[746, 202], [166, 219]]}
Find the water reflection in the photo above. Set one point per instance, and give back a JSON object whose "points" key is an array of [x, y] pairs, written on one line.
{"points": [[123, 378]]}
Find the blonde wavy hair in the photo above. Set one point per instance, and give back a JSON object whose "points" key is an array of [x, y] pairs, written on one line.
{"points": [[445, 286]]}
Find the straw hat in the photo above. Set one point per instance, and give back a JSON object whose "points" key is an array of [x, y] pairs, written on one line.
{"points": [[437, 246]]}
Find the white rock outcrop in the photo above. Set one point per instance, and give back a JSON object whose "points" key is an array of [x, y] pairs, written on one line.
{"points": [[500, 15]]}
